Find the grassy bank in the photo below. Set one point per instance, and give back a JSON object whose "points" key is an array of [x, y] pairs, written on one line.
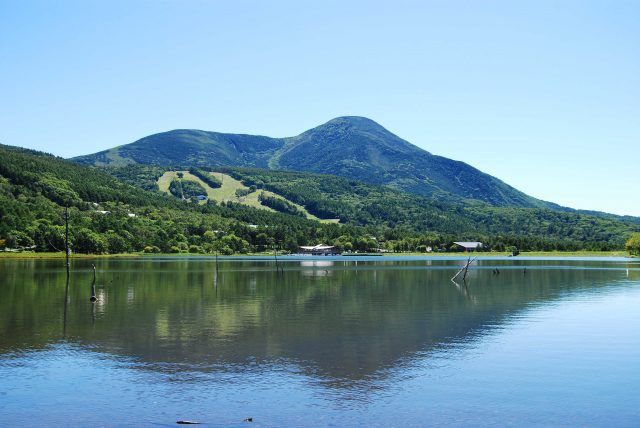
{"points": [[526, 254], [33, 255]]}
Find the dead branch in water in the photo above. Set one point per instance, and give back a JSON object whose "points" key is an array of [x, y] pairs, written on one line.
{"points": [[464, 269]]}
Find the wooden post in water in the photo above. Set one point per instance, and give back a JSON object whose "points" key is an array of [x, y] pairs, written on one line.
{"points": [[279, 268], [66, 237], [275, 256], [93, 297]]}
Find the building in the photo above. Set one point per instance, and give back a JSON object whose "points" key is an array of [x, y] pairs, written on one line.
{"points": [[469, 246], [318, 250]]}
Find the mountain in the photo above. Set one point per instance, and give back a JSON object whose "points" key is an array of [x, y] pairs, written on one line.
{"points": [[351, 147], [359, 148], [188, 147]]}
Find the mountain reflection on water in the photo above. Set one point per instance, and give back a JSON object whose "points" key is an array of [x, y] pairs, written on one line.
{"points": [[341, 322]]}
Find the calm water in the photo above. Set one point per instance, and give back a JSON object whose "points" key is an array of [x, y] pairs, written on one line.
{"points": [[330, 342]]}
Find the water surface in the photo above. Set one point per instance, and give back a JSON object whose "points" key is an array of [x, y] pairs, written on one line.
{"points": [[329, 342]]}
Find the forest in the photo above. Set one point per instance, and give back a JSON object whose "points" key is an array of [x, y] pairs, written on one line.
{"points": [[119, 210]]}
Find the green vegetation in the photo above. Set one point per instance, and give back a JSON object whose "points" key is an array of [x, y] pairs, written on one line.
{"points": [[207, 177], [353, 147], [189, 148], [404, 222], [398, 214], [241, 193], [232, 190], [186, 189], [177, 182], [142, 176], [279, 204], [633, 244], [109, 216], [360, 149], [266, 251]]}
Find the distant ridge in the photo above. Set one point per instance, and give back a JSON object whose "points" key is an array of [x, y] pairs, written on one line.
{"points": [[350, 146]]}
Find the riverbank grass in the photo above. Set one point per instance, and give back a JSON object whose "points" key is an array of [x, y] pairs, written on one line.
{"points": [[35, 255]]}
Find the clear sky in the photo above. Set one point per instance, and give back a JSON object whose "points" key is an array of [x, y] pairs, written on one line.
{"points": [[543, 95]]}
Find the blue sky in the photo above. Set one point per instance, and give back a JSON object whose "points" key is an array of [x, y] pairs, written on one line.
{"points": [[543, 95]]}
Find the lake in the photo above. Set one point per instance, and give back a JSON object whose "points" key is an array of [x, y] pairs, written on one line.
{"points": [[330, 341]]}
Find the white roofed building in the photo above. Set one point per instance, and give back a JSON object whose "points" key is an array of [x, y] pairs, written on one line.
{"points": [[469, 246], [318, 250]]}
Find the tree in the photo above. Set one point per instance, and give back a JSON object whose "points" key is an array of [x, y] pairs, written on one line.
{"points": [[234, 243], [89, 242], [291, 245], [633, 244], [116, 243], [18, 239], [262, 240]]}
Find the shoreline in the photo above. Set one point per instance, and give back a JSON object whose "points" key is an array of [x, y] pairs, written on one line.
{"points": [[523, 254]]}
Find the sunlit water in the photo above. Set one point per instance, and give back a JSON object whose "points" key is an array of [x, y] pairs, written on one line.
{"points": [[329, 342]]}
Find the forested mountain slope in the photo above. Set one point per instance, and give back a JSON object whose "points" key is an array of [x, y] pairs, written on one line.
{"points": [[362, 204], [393, 214], [189, 147], [352, 147], [109, 216]]}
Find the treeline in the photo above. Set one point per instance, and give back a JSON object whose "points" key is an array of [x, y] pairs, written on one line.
{"points": [[207, 177], [109, 216], [142, 176], [186, 189], [365, 205], [66, 183], [279, 205], [381, 209], [633, 244]]}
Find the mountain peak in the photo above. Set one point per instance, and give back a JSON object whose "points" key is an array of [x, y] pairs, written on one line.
{"points": [[352, 130], [349, 146], [354, 122]]}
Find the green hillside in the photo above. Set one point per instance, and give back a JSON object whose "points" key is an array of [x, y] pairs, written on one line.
{"points": [[391, 215], [361, 149], [362, 204], [109, 216], [351, 147], [231, 190], [192, 148]]}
